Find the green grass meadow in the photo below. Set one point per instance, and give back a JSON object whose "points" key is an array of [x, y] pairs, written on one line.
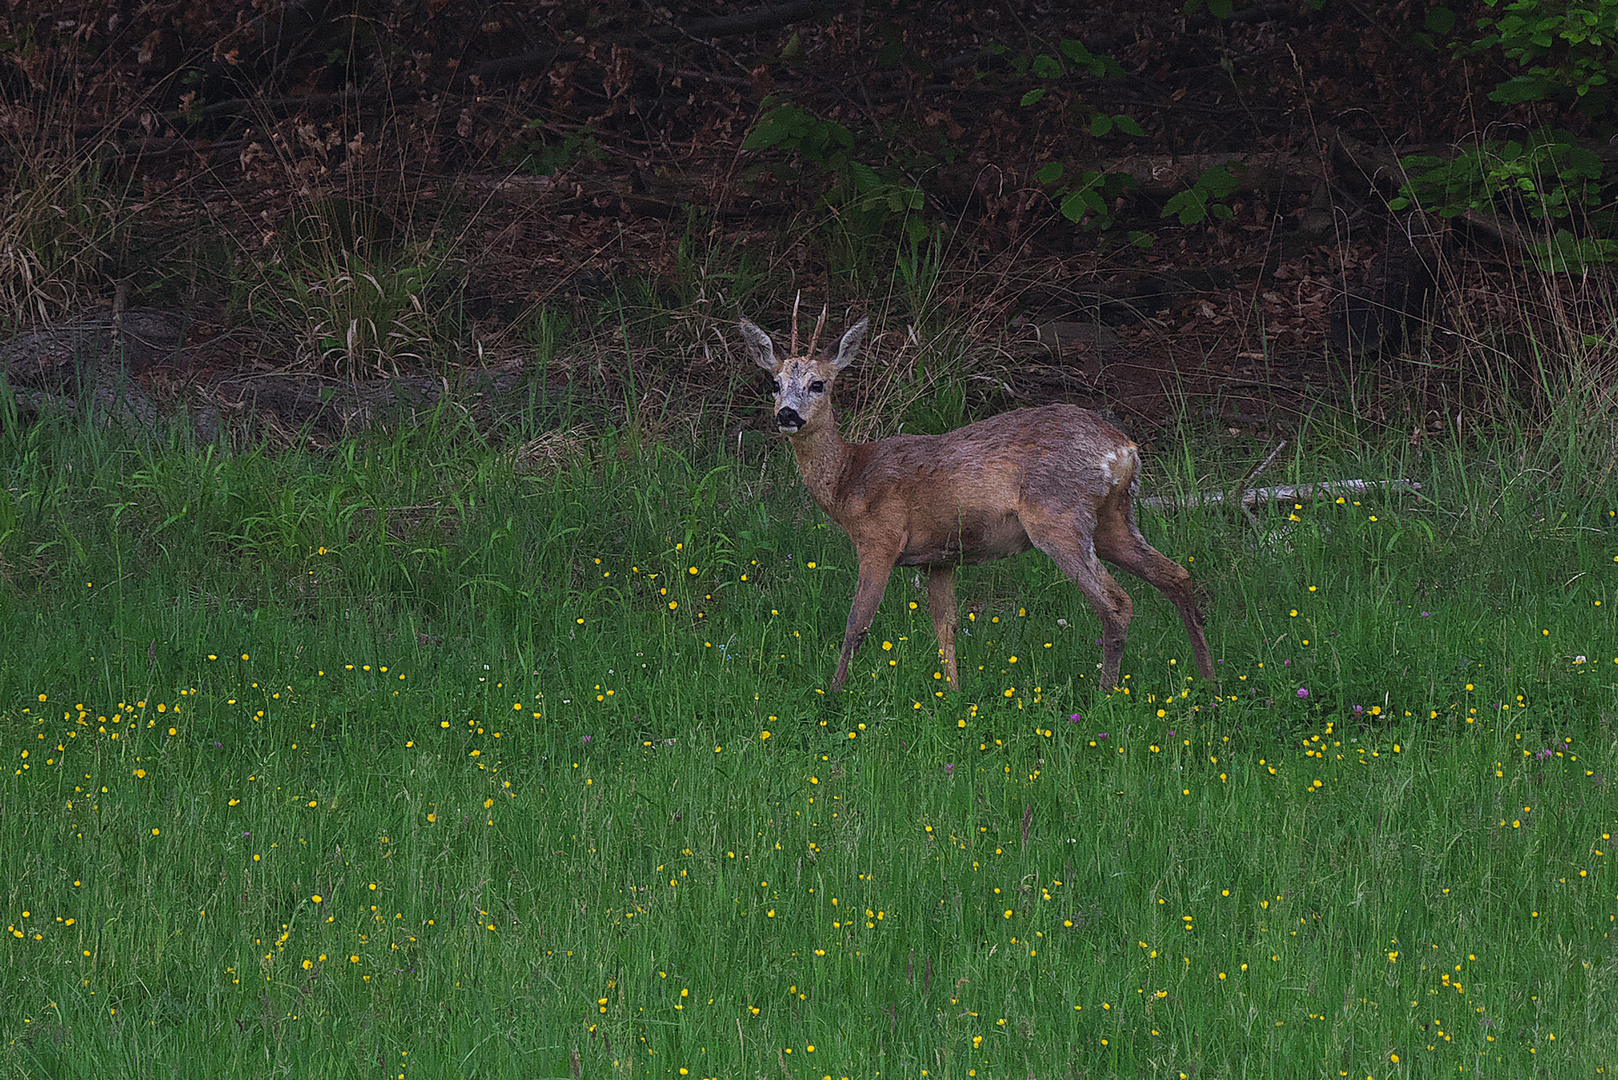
{"points": [[403, 760]]}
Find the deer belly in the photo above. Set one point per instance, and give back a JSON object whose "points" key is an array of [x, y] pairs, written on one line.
{"points": [[968, 542]]}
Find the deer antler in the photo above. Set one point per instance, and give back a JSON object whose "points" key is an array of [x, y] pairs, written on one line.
{"points": [[819, 326], [796, 300]]}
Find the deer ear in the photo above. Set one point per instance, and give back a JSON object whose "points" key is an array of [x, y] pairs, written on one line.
{"points": [[850, 345], [759, 346]]}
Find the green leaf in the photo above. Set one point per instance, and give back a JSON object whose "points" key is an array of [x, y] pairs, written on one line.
{"points": [[766, 133], [1522, 88], [1421, 162], [1218, 181], [1083, 58], [1049, 173], [1080, 202], [1188, 206], [1571, 161], [1440, 20], [1100, 124], [1033, 96], [1129, 126], [1076, 52], [865, 177], [1046, 66]]}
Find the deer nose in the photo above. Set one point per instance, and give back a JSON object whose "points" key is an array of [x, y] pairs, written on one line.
{"points": [[788, 418]]}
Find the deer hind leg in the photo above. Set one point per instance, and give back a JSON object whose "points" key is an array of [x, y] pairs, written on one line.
{"points": [[1069, 545], [874, 572], [1118, 540], [946, 619]]}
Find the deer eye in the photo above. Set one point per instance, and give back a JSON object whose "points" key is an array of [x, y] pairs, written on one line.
{"points": [[817, 387], [777, 386]]}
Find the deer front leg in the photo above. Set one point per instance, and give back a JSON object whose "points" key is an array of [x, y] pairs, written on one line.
{"points": [[874, 571], [946, 618]]}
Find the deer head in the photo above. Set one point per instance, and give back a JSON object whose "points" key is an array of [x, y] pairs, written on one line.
{"points": [[803, 380]]}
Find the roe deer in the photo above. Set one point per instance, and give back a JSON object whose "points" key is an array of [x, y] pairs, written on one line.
{"points": [[1055, 477]]}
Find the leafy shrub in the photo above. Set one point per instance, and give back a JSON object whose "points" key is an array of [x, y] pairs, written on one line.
{"points": [[1565, 48], [878, 193], [1547, 177], [1201, 200]]}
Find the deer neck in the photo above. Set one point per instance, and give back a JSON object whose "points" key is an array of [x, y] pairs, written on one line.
{"points": [[821, 456]]}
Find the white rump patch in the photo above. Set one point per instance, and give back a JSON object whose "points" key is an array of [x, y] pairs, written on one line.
{"points": [[1119, 466]]}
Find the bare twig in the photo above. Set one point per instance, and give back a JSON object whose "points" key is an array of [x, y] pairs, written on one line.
{"points": [[1253, 474]]}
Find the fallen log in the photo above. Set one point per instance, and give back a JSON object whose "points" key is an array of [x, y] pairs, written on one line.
{"points": [[1281, 493]]}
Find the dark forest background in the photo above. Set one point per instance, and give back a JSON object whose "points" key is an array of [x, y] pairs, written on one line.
{"points": [[1243, 208]]}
